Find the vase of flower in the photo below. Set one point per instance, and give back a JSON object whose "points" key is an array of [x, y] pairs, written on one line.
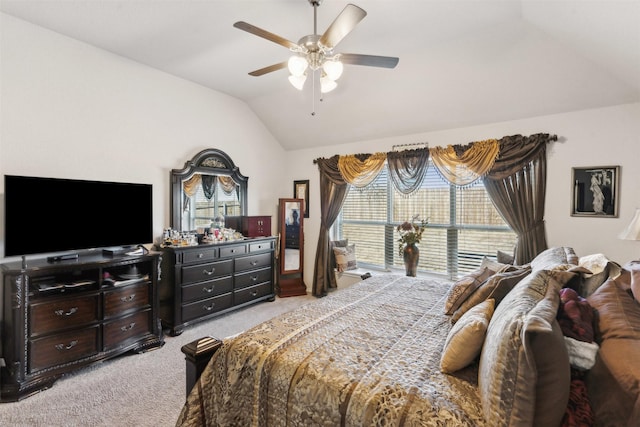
{"points": [[410, 255], [410, 234]]}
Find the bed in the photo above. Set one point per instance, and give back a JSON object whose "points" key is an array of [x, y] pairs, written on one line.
{"points": [[396, 350]]}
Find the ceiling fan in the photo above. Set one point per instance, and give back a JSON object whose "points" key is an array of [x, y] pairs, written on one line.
{"points": [[315, 52]]}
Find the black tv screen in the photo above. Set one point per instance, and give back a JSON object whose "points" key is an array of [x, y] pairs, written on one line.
{"points": [[44, 215]]}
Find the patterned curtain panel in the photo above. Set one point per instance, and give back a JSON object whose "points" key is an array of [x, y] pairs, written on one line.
{"points": [[408, 168]]}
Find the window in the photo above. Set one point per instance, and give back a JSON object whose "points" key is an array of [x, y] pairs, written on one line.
{"points": [[464, 226]]}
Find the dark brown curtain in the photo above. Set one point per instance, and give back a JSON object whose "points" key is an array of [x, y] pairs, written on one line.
{"points": [[517, 186], [333, 191]]}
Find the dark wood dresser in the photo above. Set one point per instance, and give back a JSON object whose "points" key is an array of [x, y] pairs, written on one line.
{"points": [[199, 282], [58, 317]]}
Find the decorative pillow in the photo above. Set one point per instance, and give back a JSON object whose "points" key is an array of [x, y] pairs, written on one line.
{"points": [[461, 289], [524, 371], [552, 257], [618, 312], [346, 258], [336, 244], [492, 265], [466, 337], [495, 287], [600, 269], [504, 258]]}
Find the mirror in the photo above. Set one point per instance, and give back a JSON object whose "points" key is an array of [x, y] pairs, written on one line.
{"points": [[208, 188], [291, 226]]}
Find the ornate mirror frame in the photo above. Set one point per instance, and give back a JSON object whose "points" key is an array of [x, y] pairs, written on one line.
{"points": [[206, 162]]}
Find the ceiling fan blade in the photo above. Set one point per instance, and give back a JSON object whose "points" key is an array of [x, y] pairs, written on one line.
{"points": [[270, 68], [342, 25], [266, 35], [369, 60]]}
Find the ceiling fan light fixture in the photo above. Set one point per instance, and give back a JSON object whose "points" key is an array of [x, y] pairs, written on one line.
{"points": [[297, 65], [298, 81], [327, 84], [333, 69]]}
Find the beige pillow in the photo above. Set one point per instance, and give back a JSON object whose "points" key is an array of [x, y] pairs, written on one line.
{"points": [[346, 258], [461, 289], [495, 287], [466, 337], [618, 311], [524, 372], [552, 257]]}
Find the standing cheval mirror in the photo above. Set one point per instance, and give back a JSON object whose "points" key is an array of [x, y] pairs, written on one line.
{"points": [[291, 256]]}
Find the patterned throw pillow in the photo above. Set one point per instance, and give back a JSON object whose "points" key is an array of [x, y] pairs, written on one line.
{"points": [[495, 287], [466, 337], [464, 287], [336, 244], [346, 258]]}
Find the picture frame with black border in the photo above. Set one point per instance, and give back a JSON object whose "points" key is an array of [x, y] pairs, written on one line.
{"points": [[595, 191], [301, 191]]}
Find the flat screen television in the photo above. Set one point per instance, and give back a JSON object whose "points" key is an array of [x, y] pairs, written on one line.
{"points": [[49, 215]]}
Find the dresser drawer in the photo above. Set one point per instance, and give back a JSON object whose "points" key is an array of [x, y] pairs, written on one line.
{"points": [[227, 251], [63, 313], [62, 348], [206, 271], [252, 278], [119, 331], [260, 247], [253, 261], [205, 307], [203, 255], [121, 300], [248, 294], [208, 289]]}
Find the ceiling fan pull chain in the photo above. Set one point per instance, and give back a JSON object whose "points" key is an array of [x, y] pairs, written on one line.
{"points": [[313, 93]]}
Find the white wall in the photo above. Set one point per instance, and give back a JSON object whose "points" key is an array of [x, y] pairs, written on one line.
{"points": [[69, 110], [599, 137]]}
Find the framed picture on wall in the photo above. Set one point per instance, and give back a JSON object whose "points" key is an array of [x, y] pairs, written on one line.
{"points": [[595, 191], [301, 191]]}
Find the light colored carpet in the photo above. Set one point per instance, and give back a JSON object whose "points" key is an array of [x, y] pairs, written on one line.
{"points": [[135, 389]]}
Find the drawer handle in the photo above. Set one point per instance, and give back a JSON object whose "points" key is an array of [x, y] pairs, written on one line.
{"points": [[128, 327], [66, 313], [209, 273], [200, 255], [209, 290], [61, 347], [254, 263], [128, 299], [254, 278], [254, 293], [209, 307]]}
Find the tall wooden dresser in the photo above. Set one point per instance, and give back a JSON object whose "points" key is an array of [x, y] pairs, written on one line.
{"points": [[58, 317], [200, 282]]}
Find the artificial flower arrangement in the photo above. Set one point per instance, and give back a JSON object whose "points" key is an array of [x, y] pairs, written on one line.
{"points": [[411, 232]]}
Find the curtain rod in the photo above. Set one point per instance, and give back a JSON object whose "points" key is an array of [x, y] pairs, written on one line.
{"points": [[413, 144]]}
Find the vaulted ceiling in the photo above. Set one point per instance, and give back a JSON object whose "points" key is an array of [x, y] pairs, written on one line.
{"points": [[462, 63]]}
